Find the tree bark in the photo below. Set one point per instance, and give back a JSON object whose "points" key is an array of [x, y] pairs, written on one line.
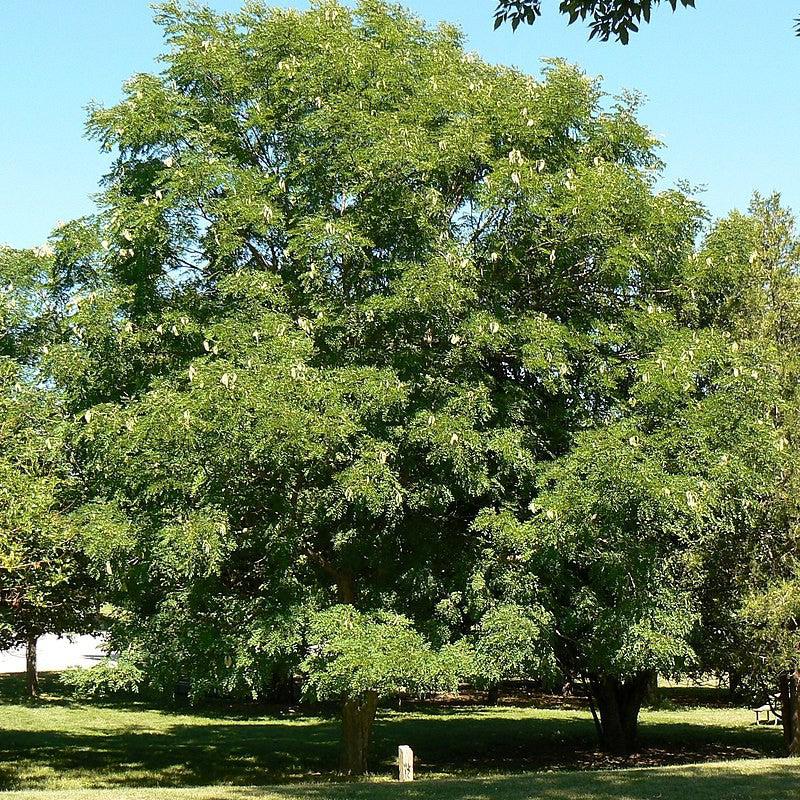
{"points": [[651, 695], [619, 703], [31, 672], [282, 688], [358, 716], [734, 683], [493, 694], [345, 588], [794, 716], [789, 685]]}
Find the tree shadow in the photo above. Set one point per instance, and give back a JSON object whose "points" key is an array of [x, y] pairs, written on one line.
{"points": [[268, 751], [54, 692], [178, 755], [694, 783], [486, 741]]}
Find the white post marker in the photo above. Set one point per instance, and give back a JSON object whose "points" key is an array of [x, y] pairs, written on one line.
{"points": [[405, 762]]}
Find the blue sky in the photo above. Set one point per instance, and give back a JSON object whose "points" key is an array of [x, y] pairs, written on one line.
{"points": [[721, 83]]}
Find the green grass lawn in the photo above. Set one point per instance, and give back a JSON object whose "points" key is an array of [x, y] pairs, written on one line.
{"points": [[765, 779], [475, 752]]}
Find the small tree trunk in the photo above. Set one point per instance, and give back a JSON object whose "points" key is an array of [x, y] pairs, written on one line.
{"points": [[282, 686], [789, 685], [734, 682], [651, 694], [619, 703], [358, 716], [794, 697], [345, 588], [493, 694], [31, 673]]}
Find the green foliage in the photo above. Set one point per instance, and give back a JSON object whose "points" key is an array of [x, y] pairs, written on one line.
{"points": [[46, 584], [617, 18], [745, 281], [105, 679], [350, 289], [351, 654], [772, 617], [371, 333], [513, 642], [24, 309]]}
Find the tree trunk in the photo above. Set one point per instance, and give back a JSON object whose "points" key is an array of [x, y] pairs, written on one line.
{"points": [[493, 694], [358, 715], [794, 696], [282, 688], [734, 684], [789, 683], [619, 703], [31, 673], [651, 695], [345, 588]]}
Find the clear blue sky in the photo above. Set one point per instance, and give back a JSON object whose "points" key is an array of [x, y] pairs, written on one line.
{"points": [[721, 82]]}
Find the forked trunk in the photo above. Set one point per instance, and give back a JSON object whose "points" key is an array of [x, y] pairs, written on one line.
{"points": [[789, 683], [358, 716], [619, 703], [31, 672]]}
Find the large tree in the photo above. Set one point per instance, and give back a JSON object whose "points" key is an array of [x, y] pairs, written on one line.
{"points": [[355, 303]]}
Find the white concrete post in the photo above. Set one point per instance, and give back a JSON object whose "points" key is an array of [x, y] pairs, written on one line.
{"points": [[405, 762]]}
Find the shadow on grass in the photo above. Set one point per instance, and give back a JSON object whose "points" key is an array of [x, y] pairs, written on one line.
{"points": [[483, 742], [54, 692], [180, 755], [140, 742], [264, 752], [687, 784], [694, 697]]}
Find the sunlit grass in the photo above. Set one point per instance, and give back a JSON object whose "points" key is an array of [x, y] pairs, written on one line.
{"points": [[58, 743], [766, 779]]}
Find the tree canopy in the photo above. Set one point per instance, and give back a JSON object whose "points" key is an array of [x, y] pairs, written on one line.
{"points": [[376, 355]]}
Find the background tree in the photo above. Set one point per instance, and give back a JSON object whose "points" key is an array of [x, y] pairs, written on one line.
{"points": [[746, 278], [770, 618], [617, 535], [45, 584]]}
